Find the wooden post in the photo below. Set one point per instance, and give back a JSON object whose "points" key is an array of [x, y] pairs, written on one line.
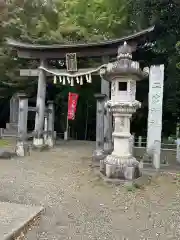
{"points": [[21, 145], [66, 133], [99, 151], [140, 141], [40, 104]]}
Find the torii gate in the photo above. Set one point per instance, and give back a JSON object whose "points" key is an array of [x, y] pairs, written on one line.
{"points": [[71, 53]]}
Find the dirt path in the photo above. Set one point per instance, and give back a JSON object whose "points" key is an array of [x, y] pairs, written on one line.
{"points": [[80, 206]]}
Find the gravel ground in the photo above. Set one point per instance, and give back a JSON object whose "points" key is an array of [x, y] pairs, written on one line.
{"points": [[80, 206]]}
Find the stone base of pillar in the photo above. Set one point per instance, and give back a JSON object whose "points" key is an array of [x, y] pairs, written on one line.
{"points": [[66, 136], [38, 142], [49, 142], [126, 168], [22, 149], [108, 148], [98, 155]]}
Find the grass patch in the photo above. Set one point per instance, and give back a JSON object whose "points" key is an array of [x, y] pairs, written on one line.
{"points": [[4, 142], [132, 188]]}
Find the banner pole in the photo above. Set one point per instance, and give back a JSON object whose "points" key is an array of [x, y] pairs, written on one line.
{"points": [[67, 126], [86, 126]]}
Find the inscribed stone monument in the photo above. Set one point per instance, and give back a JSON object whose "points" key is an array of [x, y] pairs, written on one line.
{"points": [[156, 84]]}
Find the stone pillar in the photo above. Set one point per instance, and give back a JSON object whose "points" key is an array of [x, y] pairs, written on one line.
{"points": [[156, 88], [132, 144], [105, 89], [123, 74], [14, 109], [108, 129], [178, 150], [157, 155], [50, 136], [45, 128], [22, 145], [99, 151], [40, 104], [140, 141]]}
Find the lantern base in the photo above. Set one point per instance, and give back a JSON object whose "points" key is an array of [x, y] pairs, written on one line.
{"points": [[120, 167]]}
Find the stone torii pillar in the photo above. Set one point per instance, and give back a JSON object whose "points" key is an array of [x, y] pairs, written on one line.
{"points": [[50, 123], [99, 151], [40, 105], [105, 89], [107, 118], [123, 74], [21, 144], [108, 144]]}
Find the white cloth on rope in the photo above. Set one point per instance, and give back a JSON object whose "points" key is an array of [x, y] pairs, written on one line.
{"points": [[70, 77], [72, 82], [55, 79], [60, 79], [89, 78], [64, 80]]}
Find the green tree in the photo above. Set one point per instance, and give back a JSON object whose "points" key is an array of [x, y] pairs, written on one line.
{"points": [[57, 21], [165, 15]]}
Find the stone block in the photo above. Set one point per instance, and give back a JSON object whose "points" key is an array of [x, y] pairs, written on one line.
{"points": [[15, 217], [22, 149], [49, 142], [131, 173], [109, 172], [38, 142], [140, 182], [5, 154], [102, 166]]}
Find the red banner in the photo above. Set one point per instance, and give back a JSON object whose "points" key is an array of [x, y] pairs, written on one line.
{"points": [[72, 104]]}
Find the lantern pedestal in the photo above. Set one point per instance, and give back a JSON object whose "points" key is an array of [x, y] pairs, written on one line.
{"points": [[121, 164]]}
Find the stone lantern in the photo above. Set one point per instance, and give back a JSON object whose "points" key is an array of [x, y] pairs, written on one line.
{"points": [[123, 75]]}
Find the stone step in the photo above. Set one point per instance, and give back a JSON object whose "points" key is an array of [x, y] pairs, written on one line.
{"points": [[10, 126], [15, 218], [8, 133]]}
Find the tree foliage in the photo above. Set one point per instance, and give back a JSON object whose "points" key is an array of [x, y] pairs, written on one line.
{"points": [[60, 21], [165, 15]]}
